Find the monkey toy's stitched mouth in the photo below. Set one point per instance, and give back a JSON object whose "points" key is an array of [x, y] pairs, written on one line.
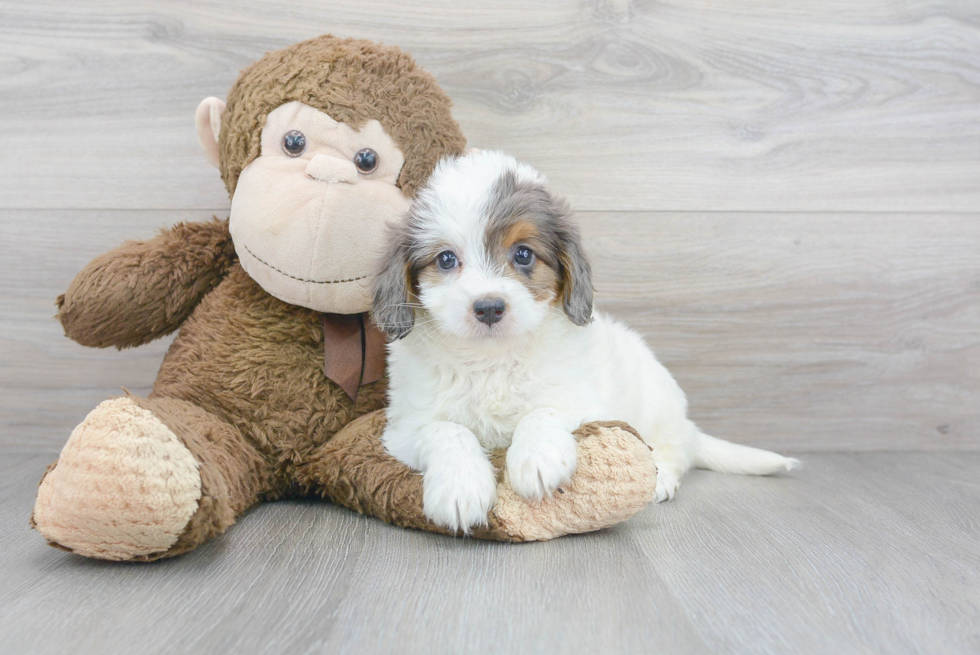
{"points": [[299, 279], [328, 181]]}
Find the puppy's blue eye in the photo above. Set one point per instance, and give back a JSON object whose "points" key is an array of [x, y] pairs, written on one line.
{"points": [[446, 260], [523, 256]]}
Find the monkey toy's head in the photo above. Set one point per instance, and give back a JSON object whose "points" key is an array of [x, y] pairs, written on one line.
{"points": [[320, 145]]}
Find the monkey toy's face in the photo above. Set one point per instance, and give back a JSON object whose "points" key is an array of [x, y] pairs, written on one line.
{"points": [[321, 145], [308, 214]]}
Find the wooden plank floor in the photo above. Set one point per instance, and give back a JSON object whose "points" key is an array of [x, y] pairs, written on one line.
{"points": [[855, 553]]}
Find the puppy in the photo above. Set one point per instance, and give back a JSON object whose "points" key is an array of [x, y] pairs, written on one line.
{"points": [[487, 296]]}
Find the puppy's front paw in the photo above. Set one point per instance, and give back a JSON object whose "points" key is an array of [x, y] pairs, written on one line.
{"points": [[459, 498], [541, 462]]}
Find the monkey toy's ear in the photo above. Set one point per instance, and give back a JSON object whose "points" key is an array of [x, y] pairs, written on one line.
{"points": [[208, 119]]}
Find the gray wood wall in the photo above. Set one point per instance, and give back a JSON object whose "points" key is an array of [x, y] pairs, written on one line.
{"points": [[783, 197]]}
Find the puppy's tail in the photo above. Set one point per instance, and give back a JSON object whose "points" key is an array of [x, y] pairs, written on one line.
{"points": [[718, 455]]}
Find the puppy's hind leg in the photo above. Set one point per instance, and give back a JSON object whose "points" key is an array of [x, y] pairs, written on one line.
{"points": [[669, 473], [668, 482], [673, 454]]}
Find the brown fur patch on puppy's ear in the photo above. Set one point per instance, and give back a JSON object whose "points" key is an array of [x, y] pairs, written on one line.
{"points": [[393, 308], [576, 272]]}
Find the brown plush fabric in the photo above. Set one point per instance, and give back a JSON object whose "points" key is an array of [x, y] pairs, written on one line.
{"points": [[354, 470], [356, 81], [144, 290], [256, 363]]}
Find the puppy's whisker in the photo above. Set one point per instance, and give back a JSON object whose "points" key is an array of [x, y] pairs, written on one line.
{"points": [[427, 320], [432, 333]]}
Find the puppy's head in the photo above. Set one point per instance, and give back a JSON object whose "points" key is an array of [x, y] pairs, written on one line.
{"points": [[486, 251]]}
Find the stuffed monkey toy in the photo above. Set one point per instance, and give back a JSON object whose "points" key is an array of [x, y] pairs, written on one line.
{"points": [[274, 385]]}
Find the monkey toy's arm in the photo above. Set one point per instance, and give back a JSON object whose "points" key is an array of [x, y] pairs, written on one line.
{"points": [[144, 290]]}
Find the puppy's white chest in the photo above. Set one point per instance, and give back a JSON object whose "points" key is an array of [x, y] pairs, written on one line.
{"points": [[490, 403]]}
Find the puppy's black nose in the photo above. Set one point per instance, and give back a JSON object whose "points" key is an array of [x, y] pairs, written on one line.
{"points": [[489, 310]]}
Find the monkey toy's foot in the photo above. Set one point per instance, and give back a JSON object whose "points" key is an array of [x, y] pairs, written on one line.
{"points": [[125, 487]]}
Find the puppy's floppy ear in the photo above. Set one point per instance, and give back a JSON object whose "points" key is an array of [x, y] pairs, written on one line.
{"points": [[576, 272], [393, 307]]}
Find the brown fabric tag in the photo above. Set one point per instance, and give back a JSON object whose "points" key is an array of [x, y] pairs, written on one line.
{"points": [[343, 350], [353, 351], [375, 350]]}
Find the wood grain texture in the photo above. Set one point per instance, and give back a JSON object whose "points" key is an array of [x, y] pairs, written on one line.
{"points": [[810, 332], [694, 105], [863, 553]]}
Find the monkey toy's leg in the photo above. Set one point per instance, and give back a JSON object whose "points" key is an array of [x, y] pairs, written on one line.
{"points": [[141, 479], [615, 479]]}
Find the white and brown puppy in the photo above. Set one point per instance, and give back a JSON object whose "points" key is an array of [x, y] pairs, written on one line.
{"points": [[488, 297]]}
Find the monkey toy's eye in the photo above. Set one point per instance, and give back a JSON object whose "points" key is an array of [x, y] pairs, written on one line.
{"points": [[446, 260], [294, 143], [366, 160], [523, 256]]}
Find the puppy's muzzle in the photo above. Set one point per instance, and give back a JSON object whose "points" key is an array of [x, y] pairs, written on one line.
{"points": [[489, 310]]}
